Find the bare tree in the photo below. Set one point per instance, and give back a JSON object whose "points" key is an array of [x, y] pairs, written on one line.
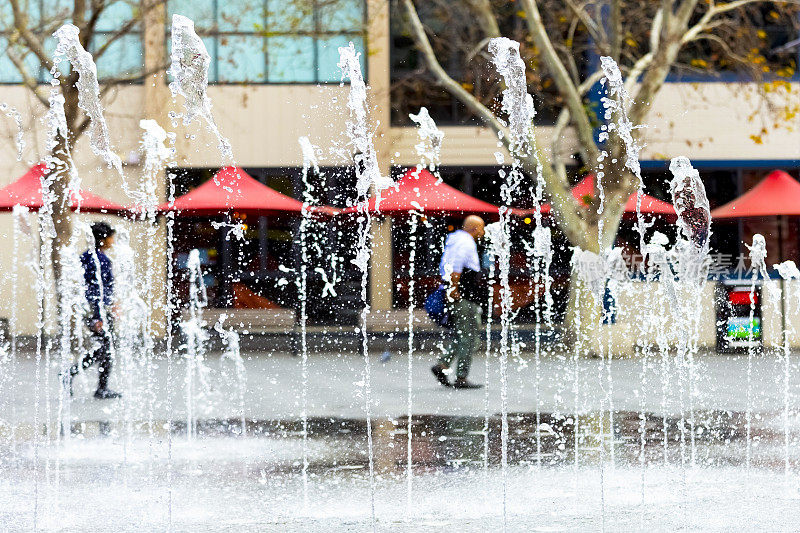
{"points": [[27, 49], [648, 39]]}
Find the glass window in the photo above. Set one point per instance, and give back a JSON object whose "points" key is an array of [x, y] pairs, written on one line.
{"points": [[8, 71], [275, 41], [211, 47], [6, 17], [290, 15], [291, 59], [50, 11], [123, 57], [64, 67], [200, 11], [328, 56], [240, 58], [115, 15], [240, 15], [341, 15]]}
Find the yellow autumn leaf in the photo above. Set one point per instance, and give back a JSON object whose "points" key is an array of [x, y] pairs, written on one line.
{"points": [[631, 42], [700, 63], [757, 139], [761, 34]]}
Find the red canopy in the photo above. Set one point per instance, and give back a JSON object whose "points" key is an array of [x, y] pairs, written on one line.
{"points": [[27, 191], [232, 189], [777, 194], [420, 191], [584, 191]]}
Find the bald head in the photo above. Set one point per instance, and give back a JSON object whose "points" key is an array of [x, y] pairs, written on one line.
{"points": [[473, 225]]}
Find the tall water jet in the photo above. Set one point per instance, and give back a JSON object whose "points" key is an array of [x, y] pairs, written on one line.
{"points": [[73, 310], [617, 102], [495, 246], [131, 323], [429, 146], [791, 293], [310, 164], [232, 354], [195, 345], [367, 176], [156, 157], [518, 105], [70, 48], [691, 266], [189, 70], [429, 153], [758, 265]]}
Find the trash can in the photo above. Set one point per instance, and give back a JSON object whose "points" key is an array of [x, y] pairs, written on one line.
{"points": [[735, 330]]}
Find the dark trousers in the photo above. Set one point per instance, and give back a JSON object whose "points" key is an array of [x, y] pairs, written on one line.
{"points": [[100, 355]]}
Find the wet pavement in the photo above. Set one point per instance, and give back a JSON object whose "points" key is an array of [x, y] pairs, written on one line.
{"points": [[670, 460]]}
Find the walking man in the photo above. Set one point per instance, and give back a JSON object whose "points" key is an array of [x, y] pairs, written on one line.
{"points": [[460, 270], [100, 295]]}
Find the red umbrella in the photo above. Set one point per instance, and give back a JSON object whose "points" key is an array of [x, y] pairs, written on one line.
{"points": [[584, 192], [27, 191], [419, 191], [232, 189], [776, 195]]}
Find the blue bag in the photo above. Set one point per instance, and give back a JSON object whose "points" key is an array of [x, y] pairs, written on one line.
{"points": [[436, 307]]}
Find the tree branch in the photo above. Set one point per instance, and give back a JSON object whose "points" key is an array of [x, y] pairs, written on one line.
{"points": [[589, 150], [424, 46], [563, 120], [616, 29], [643, 62], [27, 80], [588, 22], [486, 18], [556, 186], [32, 42]]}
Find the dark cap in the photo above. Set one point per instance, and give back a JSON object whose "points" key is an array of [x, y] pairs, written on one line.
{"points": [[101, 232]]}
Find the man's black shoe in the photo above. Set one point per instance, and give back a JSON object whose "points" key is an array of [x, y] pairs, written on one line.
{"points": [[462, 383], [438, 371], [106, 394]]}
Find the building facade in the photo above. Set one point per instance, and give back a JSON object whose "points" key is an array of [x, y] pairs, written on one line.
{"points": [[274, 78]]}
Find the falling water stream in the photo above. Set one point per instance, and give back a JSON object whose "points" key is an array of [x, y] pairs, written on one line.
{"points": [[368, 177], [309, 165], [678, 272], [518, 105]]}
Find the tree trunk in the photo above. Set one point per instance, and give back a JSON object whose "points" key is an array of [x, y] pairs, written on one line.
{"points": [[62, 214], [582, 322]]}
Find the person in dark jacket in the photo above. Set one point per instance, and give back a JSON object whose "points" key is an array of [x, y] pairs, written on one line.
{"points": [[100, 296]]}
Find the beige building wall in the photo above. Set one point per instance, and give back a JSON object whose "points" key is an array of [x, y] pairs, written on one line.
{"points": [[263, 123], [703, 121]]}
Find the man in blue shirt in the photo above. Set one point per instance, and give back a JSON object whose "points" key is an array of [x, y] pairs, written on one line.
{"points": [[460, 267], [100, 296]]}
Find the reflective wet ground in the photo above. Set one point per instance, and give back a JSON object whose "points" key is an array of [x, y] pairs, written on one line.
{"points": [[122, 470], [101, 480]]}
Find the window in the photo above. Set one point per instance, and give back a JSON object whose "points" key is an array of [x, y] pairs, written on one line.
{"points": [[455, 38], [275, 41], [116, 54]]}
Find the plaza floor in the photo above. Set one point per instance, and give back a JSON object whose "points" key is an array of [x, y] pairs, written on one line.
{"points": [[129, 464]]}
